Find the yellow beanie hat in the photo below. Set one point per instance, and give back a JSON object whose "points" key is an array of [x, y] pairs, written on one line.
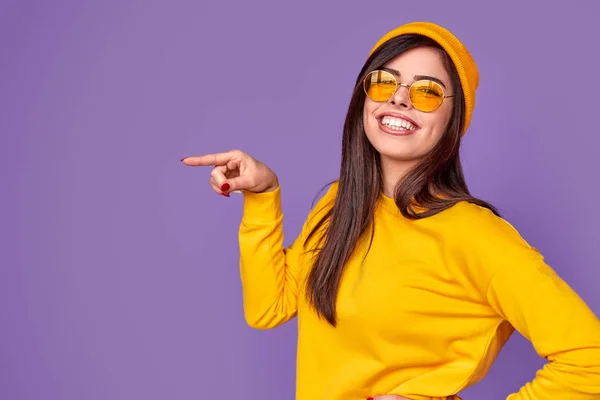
{"points": [[463, 61]]}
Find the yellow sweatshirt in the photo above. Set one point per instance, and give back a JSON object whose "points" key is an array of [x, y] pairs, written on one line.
{"points": [[427, 312]]}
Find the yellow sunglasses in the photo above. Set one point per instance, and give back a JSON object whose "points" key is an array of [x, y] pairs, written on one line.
{"points": [[425, 95]]}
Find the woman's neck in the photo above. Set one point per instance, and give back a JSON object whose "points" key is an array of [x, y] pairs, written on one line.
{"points": [[393, 171]]}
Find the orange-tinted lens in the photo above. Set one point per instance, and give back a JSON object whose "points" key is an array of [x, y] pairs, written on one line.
{"points": [[380, 85], [426, 95]]}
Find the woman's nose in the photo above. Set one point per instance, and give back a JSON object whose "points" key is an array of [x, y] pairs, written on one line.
{"points": [[400, 98]]}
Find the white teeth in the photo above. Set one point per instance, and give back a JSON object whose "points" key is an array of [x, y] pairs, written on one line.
{"points": [[397, 123]]}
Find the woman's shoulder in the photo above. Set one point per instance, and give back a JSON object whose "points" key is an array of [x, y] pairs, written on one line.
{"points": [[488, 243], [324, 200], [318, 215], [473, 222], [466, 212]]}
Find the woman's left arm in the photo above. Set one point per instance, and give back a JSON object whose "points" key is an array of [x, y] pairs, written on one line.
{"points": [[559, 324], [528, 293]]}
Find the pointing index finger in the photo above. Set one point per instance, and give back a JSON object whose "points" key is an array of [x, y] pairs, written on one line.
{"points": [[209, 159]]}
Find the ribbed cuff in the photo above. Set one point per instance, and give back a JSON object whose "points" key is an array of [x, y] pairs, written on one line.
{"points": [[262, 208]]}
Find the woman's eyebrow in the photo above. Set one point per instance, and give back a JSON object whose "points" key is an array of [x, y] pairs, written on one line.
{"points": [[416, 77]]}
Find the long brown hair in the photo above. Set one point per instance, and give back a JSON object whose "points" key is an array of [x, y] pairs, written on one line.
{"points": [[435, 184]]}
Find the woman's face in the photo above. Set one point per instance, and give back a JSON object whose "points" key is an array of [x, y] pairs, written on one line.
{"points": [[424, 130]]}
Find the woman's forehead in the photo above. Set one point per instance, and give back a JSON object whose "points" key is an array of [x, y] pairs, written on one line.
{"points": [[419, 61]]}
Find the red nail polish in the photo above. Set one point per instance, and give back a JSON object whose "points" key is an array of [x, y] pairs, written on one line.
{"points": [[183, 158], [369, 398], [225, 194], [225, 187]]}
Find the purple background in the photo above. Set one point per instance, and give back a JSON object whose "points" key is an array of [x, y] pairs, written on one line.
{"points": [[119, 266]]}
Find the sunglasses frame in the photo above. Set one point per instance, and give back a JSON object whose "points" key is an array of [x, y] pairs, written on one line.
{"points": [[409, 87]]}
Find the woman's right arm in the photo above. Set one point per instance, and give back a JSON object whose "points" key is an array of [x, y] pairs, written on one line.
{"points": [[270, 273]]}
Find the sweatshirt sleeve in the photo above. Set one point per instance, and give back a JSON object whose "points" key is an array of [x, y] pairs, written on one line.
{"points": [[270, 272], [524, 290], [559, 324]]}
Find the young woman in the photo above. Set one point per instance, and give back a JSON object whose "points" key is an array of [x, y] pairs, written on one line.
{"points": [[405, 286]]}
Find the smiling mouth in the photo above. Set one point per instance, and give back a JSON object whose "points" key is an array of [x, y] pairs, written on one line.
{"points": [[396, 126]]}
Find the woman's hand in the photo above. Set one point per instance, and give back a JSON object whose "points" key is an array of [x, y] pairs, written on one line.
{"points": [[235, 171]]}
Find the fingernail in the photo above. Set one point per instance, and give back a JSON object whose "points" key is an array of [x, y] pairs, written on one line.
{"points": [[183, 158], [369, 398], [225, 187], [225, 194]]}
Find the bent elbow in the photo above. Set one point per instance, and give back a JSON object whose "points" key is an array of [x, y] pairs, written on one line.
{"points": [[259, 325], [581, 371], [268, 319]]}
